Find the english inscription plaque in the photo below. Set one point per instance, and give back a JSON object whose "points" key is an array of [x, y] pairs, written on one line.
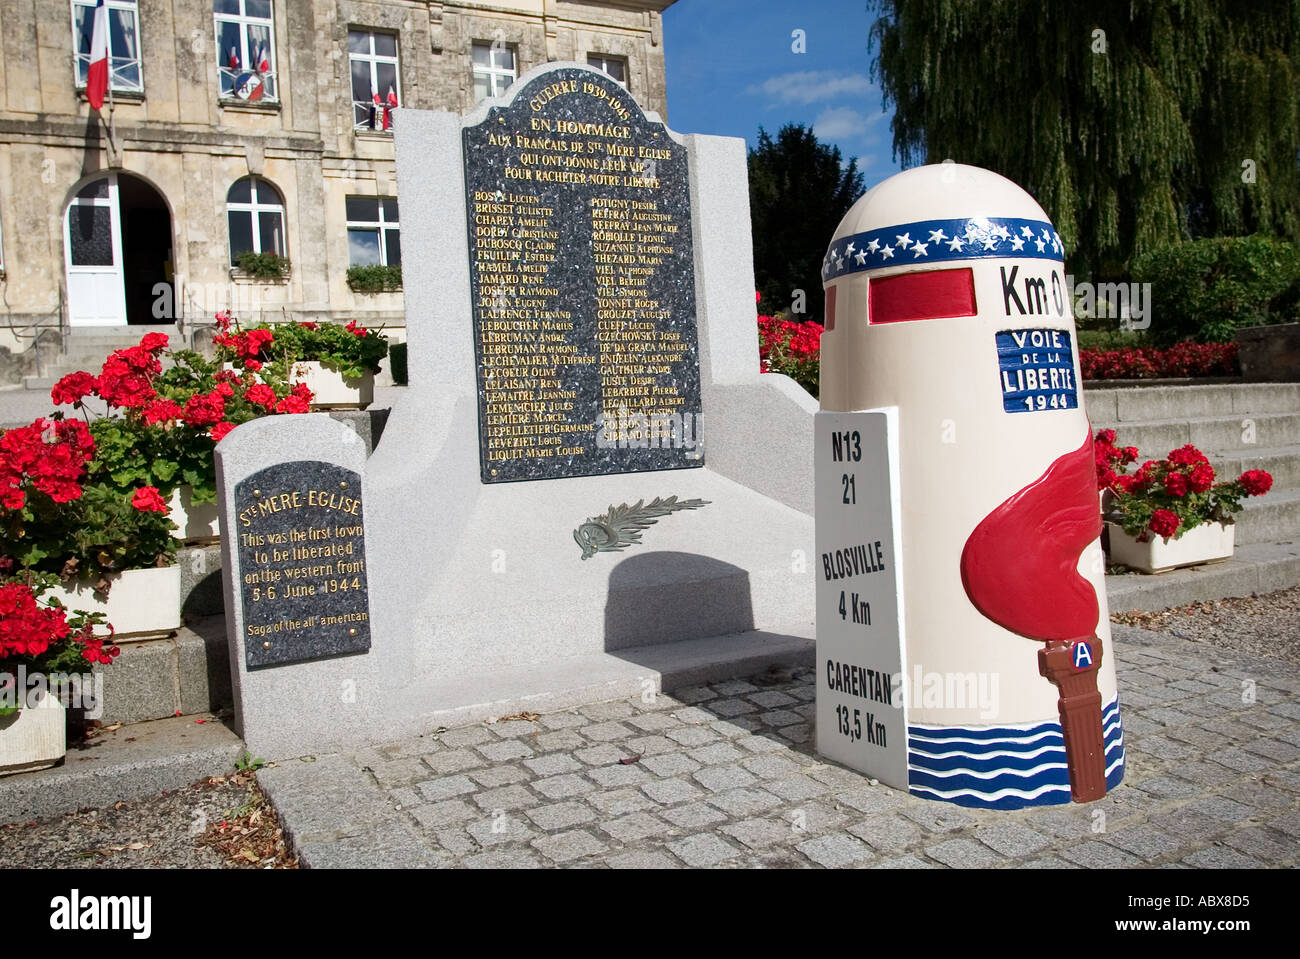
{"points": [[302, 563], [582, 276]]}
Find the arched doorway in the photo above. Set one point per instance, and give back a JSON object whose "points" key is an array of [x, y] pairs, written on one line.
{"points": [[117, 248]]}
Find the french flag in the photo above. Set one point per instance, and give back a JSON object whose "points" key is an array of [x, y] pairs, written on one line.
{"points": [[263, 64], [374, 105], [97, 74], [233, 62], [388, 108]]}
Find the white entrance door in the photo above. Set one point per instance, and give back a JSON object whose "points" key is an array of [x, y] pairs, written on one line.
{"points": [[92, 242]]}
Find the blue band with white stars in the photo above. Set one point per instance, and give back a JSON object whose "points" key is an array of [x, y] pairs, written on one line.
{"points": [[932, 241]]}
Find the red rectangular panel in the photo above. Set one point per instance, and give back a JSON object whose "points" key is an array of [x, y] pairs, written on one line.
{"points": [[931, 295], [830, 308]]}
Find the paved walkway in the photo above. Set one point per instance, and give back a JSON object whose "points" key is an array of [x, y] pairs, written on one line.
{"points": [[725, 776]]}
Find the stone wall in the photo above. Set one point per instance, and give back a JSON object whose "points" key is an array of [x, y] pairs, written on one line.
{"points": [[190, 146]]}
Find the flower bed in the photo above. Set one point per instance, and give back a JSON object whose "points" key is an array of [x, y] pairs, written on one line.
{"points": [[791, 348], [1142, 363], [162, 426]]}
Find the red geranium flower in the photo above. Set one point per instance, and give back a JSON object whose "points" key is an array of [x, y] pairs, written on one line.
{"points": [[1201, 478], [1165, 523], [147, 500], [162, 411], [1256, 482], [205, 409], [1176, 484], [262, 395], [221, 431], [73, 388], [292, 404]]}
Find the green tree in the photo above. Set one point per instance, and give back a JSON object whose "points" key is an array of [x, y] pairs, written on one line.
{"points": [[799, 190], [1135, 123]]}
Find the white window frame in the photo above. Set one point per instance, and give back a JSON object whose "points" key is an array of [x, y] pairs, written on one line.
{"points": [[374, 58], [244, 21], [605, 58], [492, 71], [381, 225], [81, 62], [255, 207]]}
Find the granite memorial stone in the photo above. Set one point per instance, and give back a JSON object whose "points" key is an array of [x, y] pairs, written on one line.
{"points": [[542, 528], [582, 284], [301, 542]]}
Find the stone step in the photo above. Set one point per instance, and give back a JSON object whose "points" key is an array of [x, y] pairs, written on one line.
{"points": [[1282, 462], [74, 361], [1262, 568], [119, 335], [1273, 518], [1144, 403], [134, 762], [1235, 433]]}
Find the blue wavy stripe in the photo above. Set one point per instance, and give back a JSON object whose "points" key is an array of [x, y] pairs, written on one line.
{"points": [[985, 734], [1000, 762], [1003, 767]]}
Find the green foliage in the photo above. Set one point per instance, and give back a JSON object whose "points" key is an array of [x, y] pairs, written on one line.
{"points": [[263, 266], [374, 279], [799, 190], [1207, 289], [247, 764], [1133, 511], [397, 362], [1131, 123], [350, 350], [1109, 338]]}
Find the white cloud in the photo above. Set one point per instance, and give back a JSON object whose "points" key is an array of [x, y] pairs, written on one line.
{"points": [[840, 123], [809, 86]]}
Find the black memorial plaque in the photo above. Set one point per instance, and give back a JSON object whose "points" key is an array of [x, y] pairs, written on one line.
{"points": [[302, 563], [583, 285]]}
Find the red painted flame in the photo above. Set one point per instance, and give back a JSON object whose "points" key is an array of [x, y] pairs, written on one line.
{"points": [[1020, 565]]}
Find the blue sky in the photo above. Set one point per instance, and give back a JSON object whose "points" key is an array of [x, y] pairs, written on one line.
{"points": [[731, 67]]}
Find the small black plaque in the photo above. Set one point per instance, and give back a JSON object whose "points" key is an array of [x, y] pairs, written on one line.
{"points": [[302, 563], [583, 285]]}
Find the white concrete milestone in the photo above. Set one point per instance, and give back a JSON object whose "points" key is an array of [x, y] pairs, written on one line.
{"points": [[946, 299], [861, 715]]}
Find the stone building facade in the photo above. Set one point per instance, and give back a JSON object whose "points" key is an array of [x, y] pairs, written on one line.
{"points": [[255, 124]]}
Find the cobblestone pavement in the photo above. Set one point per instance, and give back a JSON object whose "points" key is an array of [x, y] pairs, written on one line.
{"points": [[725, 776]]}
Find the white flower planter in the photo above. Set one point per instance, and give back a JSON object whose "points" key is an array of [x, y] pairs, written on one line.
{"points": [[194, 524], [1207, 543], [33, 738], [331, 390], [141, 602]]}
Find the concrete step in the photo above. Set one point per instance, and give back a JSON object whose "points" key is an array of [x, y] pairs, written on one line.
{"points": [[1142, 403], [128, 335], [1262, 568], [1234, 433], [1282, 462], [134, 762], [1273, 518]]}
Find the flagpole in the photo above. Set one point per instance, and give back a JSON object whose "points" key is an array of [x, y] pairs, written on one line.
{"points": [[112, 126]]}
